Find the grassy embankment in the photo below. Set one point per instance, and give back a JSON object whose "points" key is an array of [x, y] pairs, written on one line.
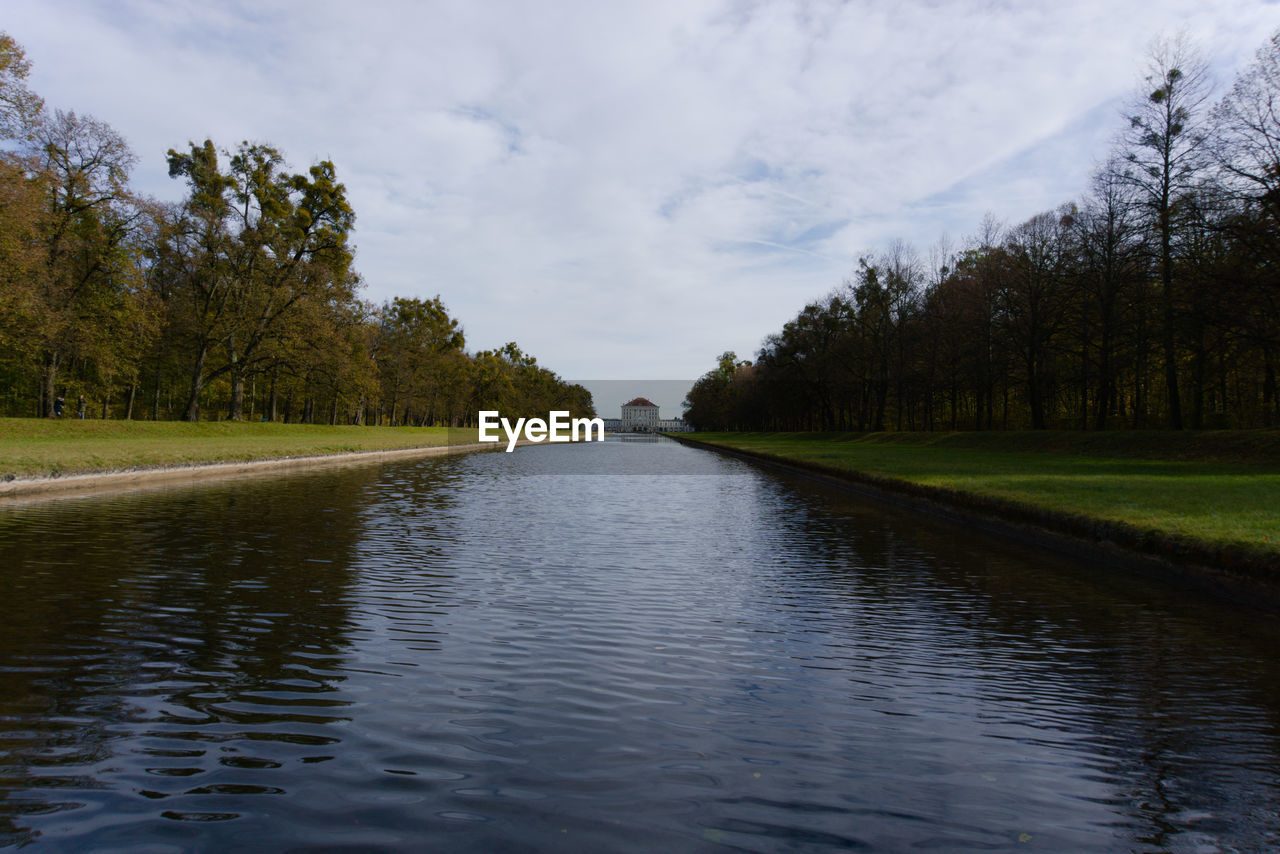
{"points": [[33, 447], [1209, 496]]}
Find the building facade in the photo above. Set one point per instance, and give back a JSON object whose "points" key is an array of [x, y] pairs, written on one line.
{"points": [[641, 416]]}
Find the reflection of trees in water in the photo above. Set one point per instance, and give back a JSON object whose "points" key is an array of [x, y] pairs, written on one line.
{"points": [[187, 647], [179, 618], [1177, 695]]}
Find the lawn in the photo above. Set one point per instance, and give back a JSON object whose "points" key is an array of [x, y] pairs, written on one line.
{"points": [[33, 447], [1218, 489]]}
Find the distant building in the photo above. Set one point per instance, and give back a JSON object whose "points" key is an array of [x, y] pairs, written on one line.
{"points": [[641, 416]]}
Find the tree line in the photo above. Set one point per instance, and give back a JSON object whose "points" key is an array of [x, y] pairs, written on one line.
{"points": [[1152, 301], [240, 301]]}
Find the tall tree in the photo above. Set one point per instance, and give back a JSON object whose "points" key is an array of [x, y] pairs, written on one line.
{"points": [[1110, 268], [1166, 149], [89, 286], [416, 349], [22, 194], [262, 243], [1247, 149]]}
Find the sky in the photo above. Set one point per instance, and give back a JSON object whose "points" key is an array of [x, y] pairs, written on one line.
{"points": [[629, 189]]}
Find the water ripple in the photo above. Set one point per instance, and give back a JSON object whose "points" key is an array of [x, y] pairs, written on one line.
{"points": [[627, 646]]}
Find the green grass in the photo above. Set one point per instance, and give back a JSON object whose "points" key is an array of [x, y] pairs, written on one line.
{"points": [[1219, 491], [32, 447]]}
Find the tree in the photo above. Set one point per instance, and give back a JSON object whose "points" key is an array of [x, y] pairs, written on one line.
{"points": [[709, 404], [20, 108], [1247, 150], [416, 349], [1110, 268], [68, 247], [89, 292], [1034, 299], [259, 244], [1246, 126], [1166, 150]]}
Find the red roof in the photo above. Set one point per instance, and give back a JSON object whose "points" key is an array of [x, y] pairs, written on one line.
{"points": [[641, 401]]}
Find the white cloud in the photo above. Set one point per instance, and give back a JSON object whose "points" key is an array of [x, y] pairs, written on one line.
{"points": [[628, 190]]}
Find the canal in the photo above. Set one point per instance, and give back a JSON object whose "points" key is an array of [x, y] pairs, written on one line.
{"points": [[623, 646]]}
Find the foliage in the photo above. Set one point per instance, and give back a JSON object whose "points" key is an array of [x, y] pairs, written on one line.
{"points": [[1154, 300], [242, 298]]}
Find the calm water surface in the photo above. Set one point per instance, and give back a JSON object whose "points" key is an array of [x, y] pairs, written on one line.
{"points": [[627, 646]]}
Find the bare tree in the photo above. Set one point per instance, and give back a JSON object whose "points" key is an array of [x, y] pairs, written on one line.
{"points": [[1247, 153], [1247, 128], [1110, 267], [1166, 152]]}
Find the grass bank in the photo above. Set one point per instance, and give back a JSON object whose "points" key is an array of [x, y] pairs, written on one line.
{"points": [[1211, 497], [34, 447]]}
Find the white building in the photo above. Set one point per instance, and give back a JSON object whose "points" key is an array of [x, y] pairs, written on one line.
{"points": [[640, 416]]}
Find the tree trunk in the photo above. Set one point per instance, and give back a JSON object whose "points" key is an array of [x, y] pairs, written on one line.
{"points": [[275, 374], [129, 398], [155, 398], [1035, 396], [235, 411], [50, 383], [1199, 371], [197, 386], [1268, 389], [1169, 331], [1106, 390], [1084, 381]]}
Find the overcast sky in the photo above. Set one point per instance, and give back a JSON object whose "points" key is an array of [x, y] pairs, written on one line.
{"points": [[629, 189]]}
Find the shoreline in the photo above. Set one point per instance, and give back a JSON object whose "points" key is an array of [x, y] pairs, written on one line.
{"points": [[87, 483], [1242, 578]]}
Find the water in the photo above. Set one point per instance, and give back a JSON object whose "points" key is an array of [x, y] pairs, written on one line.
{"points": [[611, 647]]}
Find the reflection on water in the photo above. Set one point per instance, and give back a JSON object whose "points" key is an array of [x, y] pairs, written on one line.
{"points": [[161, 649], [529, 651]]}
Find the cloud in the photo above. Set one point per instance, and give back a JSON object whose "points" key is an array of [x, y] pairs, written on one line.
{"points": [[629, 189]]}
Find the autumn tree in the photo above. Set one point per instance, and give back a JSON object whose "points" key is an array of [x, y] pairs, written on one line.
{"points": [[89, 298], [20, 108], [69, 251], [257, 245], [417, 349], [711, 402]]}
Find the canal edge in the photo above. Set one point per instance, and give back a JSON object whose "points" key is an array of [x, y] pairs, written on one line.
{"points": [[1243, 579], [21, 490]]}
